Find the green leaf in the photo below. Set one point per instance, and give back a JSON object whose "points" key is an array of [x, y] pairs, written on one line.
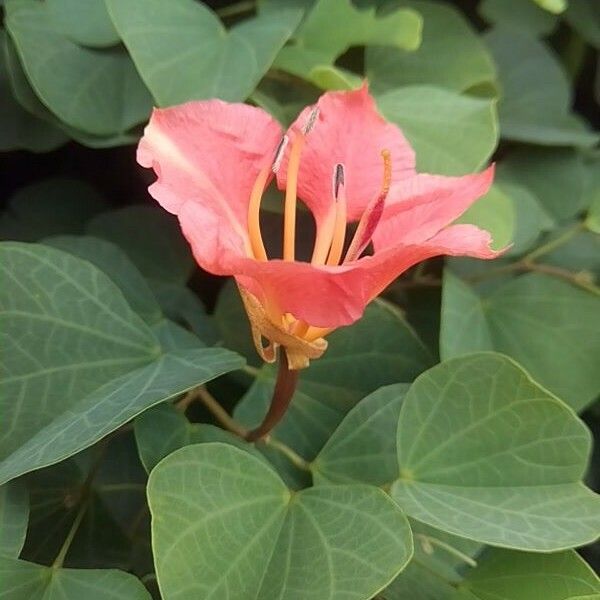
{"points": [[363, 450], [316, 45], [113, 485], [192, 56], [509, 575], [164, 429], [524, 17], [110, 259], [377, 350], [487, 454], [28, 98], [553, 6], [451, 54], [363, 447], [182, 305], [546, 324], [50, 207], [90, 336], [151, 238], [530, 217], [536, 96], [23, 579], [21, 130], [556, 177], [451, 134], [436, 569], [14, 515], [582, 15], [86, 23], [225, 524], [114, 404], [495, 213], [96, 91], [99, 367]]}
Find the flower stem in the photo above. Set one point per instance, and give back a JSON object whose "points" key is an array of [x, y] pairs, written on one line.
{"points": [[285, 386]]}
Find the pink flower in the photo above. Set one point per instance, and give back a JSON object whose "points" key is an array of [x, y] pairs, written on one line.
{"points": [[214, 160]]}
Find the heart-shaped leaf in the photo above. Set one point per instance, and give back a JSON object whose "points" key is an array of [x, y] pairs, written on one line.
{"points": [[192, 56], [487, 454], [96, 91], [533, 319], [21, 579], [223, 523]]}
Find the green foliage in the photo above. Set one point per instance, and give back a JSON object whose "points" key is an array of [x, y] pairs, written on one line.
{"points": [[128, 377], [21, 579], [222, 64], [14, 515], [533, 319], [509, 472], [221, 510], [452, 134]]}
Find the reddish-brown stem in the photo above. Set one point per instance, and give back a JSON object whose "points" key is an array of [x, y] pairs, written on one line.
{"points": [[287, 379]]}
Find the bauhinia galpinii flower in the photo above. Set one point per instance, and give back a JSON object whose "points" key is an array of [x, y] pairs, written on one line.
{"points": [[375, 216]]}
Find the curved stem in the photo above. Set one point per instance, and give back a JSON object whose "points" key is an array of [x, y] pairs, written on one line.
{"points": [[285, 386]]}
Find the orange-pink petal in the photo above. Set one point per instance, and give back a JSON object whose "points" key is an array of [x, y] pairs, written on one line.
{"points": [[417, 208], [350, 131], [207, 155]]}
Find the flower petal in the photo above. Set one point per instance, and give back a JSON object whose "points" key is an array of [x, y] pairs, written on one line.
{"points": [[208, 154], [336, 296], [419, 207], [349, 131]]}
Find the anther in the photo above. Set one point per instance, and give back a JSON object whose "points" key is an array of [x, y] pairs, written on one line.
{"points": [[312, 119], [279, 153], [338, 179]]}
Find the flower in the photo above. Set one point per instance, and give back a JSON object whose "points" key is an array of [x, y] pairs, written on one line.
{"points": [[213, 162]]}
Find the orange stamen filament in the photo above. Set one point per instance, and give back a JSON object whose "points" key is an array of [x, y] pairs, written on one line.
{"points": [[339, 231], [370, 217], [256, 241], [289, 214]]}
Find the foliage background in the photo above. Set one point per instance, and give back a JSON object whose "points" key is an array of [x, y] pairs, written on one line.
{"points": [[512, 81]]}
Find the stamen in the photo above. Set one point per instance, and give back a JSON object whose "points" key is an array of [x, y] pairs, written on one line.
{"points": [[256, 241], [370, 218], [326, 229], [339, 229], [312, 119], [289, 213], [279, 153]]}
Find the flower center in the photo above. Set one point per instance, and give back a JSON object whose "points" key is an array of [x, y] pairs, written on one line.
{"points": [[331, 234]]}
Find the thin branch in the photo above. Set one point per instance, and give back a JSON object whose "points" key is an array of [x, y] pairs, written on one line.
{"points": [[429, 541], [83, 497], [291, 455], [62, 553], [222, 416], [239, 8]]}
